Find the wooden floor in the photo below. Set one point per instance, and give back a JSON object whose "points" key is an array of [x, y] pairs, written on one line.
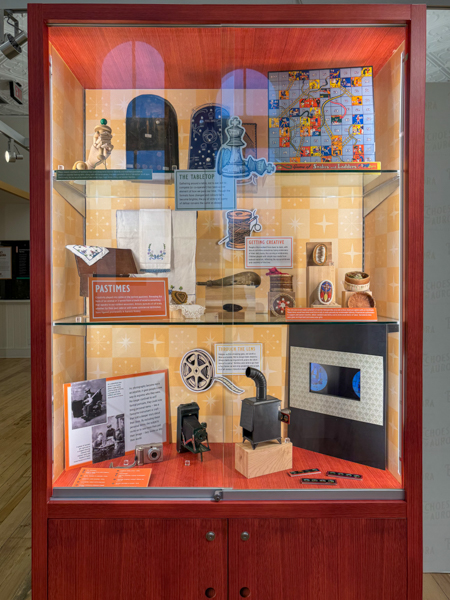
{"points": [[436, 586], [15, 484], [15, 479]]}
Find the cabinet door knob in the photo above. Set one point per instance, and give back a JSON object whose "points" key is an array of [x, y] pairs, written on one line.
{"points": [[245, 536], [210, 536]]}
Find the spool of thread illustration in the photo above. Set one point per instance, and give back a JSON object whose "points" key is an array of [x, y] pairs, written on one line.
{"points": [[241, 223]]}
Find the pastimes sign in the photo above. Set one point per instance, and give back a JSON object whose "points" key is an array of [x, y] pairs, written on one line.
{"points": [[128, 299]]}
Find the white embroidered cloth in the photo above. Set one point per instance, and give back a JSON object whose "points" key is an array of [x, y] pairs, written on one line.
{"points": [[127, 232], [184, 245], [90, 254], [155, 240]]}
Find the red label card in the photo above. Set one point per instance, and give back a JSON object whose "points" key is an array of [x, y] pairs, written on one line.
{"points": [[113, 478], [331, 314], [128, 299]]}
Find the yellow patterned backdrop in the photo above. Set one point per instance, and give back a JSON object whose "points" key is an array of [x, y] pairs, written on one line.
{"points": [[383, 240], [125, 350], [311, 208], [285, 206], [67, 228]]}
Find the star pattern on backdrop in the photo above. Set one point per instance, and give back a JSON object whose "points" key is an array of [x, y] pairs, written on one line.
{"points": [[126, 343], [295, 223], [352, 253], [324, 223], [97, 373], [155, 342]]}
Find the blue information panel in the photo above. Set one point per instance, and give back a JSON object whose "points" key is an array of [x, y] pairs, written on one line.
{"points": [[197, 189]]}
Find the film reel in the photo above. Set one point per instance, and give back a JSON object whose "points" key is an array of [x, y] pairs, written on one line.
{"points": [[197, 369]]}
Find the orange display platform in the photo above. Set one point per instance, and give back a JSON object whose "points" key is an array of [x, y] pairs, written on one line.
{"points": [[217, 470]]}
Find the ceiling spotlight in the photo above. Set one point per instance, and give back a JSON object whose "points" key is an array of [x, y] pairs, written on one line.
{"points": [[12, 44], [12, 154]]}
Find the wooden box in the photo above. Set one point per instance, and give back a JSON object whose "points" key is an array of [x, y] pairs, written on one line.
{"points": [[116, 262], [314, 275], [266, 458], [243, 295]]}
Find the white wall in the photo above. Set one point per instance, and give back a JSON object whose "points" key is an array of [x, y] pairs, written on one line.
{"points": [[14, 225], [15, 339], [436, 385], [18, 173], [14, 219]]}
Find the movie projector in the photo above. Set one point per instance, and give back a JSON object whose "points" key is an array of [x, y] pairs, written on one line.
{"points": [[261, 416]]}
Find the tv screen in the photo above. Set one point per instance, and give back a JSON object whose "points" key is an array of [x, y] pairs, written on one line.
{"points": [[343, 382]]}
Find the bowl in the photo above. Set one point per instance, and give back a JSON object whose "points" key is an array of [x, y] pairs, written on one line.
{"points": [[357, 278]]}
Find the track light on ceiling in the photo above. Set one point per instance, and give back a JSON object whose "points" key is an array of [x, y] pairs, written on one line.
{"points": [[12, 154], [12, 44]]}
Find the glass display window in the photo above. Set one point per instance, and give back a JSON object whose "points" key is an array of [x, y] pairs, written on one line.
{"points": [[227, 285]]}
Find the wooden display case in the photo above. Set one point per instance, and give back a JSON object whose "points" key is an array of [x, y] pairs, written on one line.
{"points": [[206, 530]]}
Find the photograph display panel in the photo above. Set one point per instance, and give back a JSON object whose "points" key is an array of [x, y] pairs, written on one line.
{"points": [[370, 408]]}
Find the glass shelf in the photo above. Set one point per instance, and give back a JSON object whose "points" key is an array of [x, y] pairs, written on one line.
{"points": [[209, 319], [372, 186], [82, 176]]}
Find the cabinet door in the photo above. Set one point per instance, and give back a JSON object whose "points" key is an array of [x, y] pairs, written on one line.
{"points": [[147, 559], [317, 559]]}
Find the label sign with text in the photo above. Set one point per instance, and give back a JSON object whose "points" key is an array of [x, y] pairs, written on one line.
{"points": [[198, 189], [112, 478], [128, 299], [233, 359], [5, 262], [263, 252], [331, 314]]}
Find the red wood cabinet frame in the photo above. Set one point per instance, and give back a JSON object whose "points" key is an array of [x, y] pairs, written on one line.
{"points": [[126, 560], [45, 510]]}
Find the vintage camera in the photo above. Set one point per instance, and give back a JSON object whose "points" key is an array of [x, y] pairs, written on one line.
{"points": [[191, 434], [149, 453]]}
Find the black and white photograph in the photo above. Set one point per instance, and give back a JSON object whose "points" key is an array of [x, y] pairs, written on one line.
{"points": [[108, 440], [88, 399]]}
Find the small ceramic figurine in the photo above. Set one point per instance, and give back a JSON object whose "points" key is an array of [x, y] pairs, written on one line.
{"points": [[100, 150]]}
